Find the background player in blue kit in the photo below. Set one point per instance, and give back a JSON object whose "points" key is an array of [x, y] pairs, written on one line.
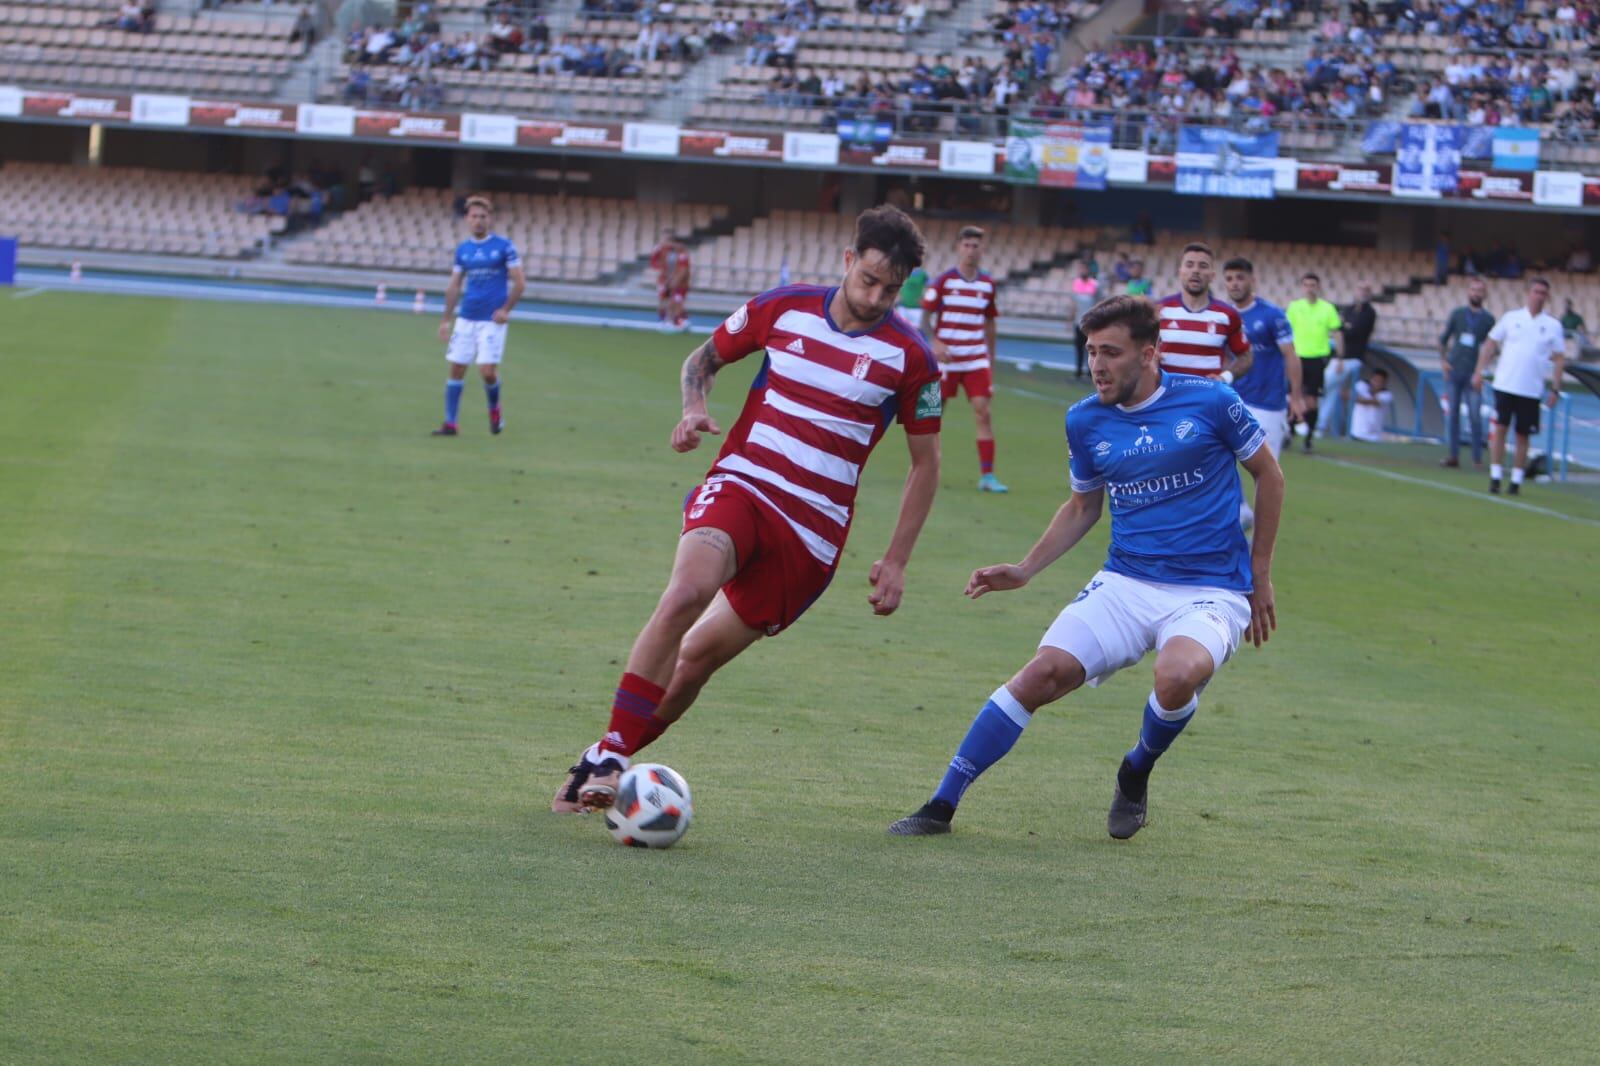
{"points": [[487, 280], [1179, 578], [1271, 387]]}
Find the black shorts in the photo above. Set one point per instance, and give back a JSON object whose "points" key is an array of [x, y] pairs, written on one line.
{"points": [[1510, 408], [1312, 370]]}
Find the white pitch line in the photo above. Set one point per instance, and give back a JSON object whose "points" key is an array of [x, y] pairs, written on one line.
{"points": [[1485, 497], [25, 293]]}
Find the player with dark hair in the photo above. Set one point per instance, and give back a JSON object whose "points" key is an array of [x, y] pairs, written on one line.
{"points": [[959, 313], [487, 280], [1271, 385], [1313, 321], [1200, 334], [1179, 577], [762, 534]]}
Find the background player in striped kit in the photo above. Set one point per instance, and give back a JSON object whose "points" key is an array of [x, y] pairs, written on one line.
{"points": [[762, 535], [959, 313], [1200, 334]]}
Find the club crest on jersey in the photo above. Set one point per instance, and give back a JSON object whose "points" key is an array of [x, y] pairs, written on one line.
{"points": [[1211, 328], [737, 320], [1236, 411], [1183, 429], [863, 364]]}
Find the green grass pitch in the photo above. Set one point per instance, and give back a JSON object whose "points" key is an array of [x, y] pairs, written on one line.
{"points": [[285, 686]]}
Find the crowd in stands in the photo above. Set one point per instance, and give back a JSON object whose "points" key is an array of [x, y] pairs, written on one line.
{"points": [[135, 17]]}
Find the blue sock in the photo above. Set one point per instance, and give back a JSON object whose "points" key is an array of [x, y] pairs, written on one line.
{"points": [[492, 390], [993, 732], [1161, 727], [452, 401]]}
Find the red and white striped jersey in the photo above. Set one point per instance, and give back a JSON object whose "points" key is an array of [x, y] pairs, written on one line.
{"points": [[821, 402], [1199, 342], [964, 308]]}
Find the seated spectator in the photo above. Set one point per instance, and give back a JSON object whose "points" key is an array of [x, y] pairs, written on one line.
{"points": [[912, 17], [1373, 401], [359, 87]]}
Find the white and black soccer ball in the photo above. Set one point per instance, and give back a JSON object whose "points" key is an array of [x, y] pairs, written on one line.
{"points": [[652, 809]]}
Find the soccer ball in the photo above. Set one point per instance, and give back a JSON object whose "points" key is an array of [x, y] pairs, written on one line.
{"points": [[653, 807]]}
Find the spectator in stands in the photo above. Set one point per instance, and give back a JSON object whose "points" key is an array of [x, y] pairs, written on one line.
{"points": [[1138, 284], [1464, 333], [1085, 294], [1572, 325], [1580, 261], [724, 32], [1373, 401], [912, 17]]}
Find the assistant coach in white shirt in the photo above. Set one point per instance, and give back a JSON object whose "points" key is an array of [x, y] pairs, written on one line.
{"points": [[1528, 341]]}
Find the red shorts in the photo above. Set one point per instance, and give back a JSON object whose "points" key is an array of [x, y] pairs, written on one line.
{"points": [[976, 382], [777, 578]]}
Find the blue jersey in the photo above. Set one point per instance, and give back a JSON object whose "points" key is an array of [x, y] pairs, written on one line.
{"points": [[486, 264], [1168, 468], [1265, 384]]}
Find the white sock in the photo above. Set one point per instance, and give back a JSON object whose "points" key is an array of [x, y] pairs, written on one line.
{"points": [[1496, 472], [1516, 475]]}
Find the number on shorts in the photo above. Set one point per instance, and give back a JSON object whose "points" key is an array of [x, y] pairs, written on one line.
{"points": [[708, 495], [1090, 587]]}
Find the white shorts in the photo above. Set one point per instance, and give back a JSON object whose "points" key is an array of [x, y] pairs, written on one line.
{"points": [[1116, 619], [476, 342], [1275, 424]]}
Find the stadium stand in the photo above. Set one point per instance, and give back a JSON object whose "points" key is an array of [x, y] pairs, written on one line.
{"points": [[808, 245], [576, 239], [1279, 266], [132, 210], [78, 44], [1416, 318]]}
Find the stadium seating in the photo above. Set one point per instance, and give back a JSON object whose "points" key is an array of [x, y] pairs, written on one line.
{"points": [[576, 239], [1278, 267], [131, 210], [72, 45], [810, 245], [1416, 318]]}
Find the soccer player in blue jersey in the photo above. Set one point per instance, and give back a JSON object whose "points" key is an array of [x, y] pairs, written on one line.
{"points": [[1271, 387], [487, 281], [1179, 578]]}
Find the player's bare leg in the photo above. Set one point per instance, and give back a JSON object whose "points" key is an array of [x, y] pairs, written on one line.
{"points": [[704, 563], [491, 389], [987, 482], [452, 398], [1183, 666], [713, 642], [1521, 464], [1497, 454], [1051, 674]]}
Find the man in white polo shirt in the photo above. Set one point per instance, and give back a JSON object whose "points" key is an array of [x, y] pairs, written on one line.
{"points": [[1528, 340]]}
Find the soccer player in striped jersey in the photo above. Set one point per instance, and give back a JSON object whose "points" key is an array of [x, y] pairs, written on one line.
{"points": [[1201, 334], [959, 312], [762, 534]]}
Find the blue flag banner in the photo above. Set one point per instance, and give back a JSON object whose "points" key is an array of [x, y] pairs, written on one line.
{"points": [[865, 130], [1094, 158], [8, 260], [1427, 161], [1516, 148], [1217, 162], [1477, 142], [1381, 137]]}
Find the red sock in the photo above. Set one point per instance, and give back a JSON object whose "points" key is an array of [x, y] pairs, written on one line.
{"points": [[633, 716], [986, 456]]}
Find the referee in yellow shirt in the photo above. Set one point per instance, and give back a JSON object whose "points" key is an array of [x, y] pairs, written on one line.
{"points": [[1313, 321]]}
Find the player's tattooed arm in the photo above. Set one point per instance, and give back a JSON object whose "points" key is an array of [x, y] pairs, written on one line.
{"points": [[699, 371]]}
